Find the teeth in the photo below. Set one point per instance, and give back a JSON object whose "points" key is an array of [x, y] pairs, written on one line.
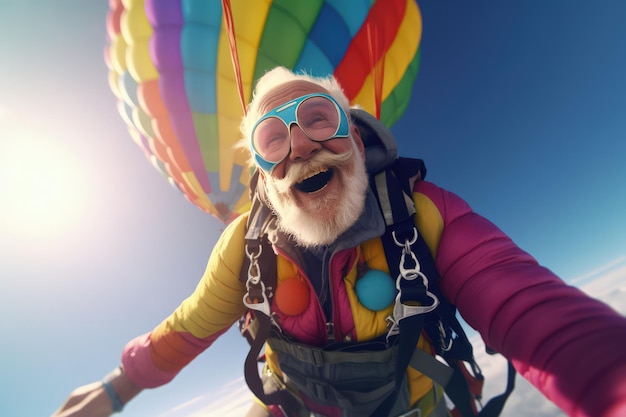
{"points": [[315, 182], [313, 173]]}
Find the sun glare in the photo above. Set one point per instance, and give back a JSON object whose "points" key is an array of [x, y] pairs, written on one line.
{"points": [[42, 191]]}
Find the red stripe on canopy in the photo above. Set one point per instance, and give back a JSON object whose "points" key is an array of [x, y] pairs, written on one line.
{"points": [[369, 46]]}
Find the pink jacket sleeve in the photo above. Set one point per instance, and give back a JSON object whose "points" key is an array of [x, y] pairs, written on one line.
{"points": [[570, 346]]}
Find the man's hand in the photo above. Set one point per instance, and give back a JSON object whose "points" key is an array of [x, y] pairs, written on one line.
{"points": [[89, 400], [92, 400]]}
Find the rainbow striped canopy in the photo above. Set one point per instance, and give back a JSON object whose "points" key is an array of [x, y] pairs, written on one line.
{"points": [[172, 72]]}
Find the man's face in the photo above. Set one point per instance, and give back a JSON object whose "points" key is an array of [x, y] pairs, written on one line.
{"points": [[318, 190]]}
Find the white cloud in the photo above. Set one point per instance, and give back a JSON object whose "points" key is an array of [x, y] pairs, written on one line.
{"points": [[607, 283], [233, 400], [525, 399]]}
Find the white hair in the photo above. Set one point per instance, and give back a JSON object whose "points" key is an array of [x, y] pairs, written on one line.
{"points": [[276, 78]]}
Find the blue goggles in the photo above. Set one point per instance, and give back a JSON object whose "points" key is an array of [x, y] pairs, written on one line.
{"points": [[319, 116]]}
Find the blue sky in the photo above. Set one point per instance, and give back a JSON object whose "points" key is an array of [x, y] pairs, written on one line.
{"points": [[520, 108]]}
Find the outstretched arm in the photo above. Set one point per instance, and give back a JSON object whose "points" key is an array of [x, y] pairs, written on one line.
{"points": [[568, 345], [155, 358]]}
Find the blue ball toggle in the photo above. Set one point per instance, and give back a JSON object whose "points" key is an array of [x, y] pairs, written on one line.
{"points": [[376, 290]]}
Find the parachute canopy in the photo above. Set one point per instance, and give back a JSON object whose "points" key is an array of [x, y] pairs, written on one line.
{"points": [[172, 73]]}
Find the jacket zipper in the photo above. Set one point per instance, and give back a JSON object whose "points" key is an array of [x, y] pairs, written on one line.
{"points": [[333, 326]]}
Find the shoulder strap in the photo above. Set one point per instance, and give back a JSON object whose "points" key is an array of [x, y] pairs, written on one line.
{"points": [[259, 274], [393, 186], [402, 244]]}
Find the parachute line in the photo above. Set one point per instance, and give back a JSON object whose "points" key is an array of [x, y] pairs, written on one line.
{"points": [[234, 56], [376, 63]]}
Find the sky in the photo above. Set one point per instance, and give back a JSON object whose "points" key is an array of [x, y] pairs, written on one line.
{"points": [[519, 107]]}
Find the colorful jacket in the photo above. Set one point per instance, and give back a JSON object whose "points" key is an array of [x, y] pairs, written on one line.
{"points": [[565, 343]]}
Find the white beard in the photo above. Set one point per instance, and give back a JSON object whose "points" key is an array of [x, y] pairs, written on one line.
{"points": [[322, 222]]}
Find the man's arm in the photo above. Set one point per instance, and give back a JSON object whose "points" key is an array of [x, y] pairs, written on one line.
{"points": [[567, 344]]}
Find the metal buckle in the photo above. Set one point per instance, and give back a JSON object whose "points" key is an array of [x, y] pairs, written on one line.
{"points": [[444, 337], [411, 273], [416, 412], [255, 297], [401, 310], [407, 243]]}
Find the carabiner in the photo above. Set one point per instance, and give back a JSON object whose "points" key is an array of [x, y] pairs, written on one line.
{"points": [[258, 300], [411, 273], [407, 243]]}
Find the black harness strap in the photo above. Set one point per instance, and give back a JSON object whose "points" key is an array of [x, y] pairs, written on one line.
{"points": [[258, 332], [494, 407], [400, 228], [441, 325]]}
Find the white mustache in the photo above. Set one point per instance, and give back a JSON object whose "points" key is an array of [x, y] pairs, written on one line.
{"points": [[320, 162]]}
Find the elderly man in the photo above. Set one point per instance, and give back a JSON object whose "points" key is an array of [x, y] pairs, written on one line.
{"points": [[315, 204]]}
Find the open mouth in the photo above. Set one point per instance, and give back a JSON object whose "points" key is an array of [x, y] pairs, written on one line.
{"points": [[315, 182]]}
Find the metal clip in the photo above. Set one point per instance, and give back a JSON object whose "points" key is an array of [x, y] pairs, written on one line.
{"points": [[254, 273], [411, 273], [416, 412], [407, 243], [330, 331], [258, 299], [255, 297], [444, 337], [408, 273], [393, 327], [401, 310]]}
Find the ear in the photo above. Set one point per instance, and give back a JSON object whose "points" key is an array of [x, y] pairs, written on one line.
{"points": [[356, 136]]}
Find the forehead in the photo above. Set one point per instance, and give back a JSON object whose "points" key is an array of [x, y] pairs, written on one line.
{"points": [[286, 92]]}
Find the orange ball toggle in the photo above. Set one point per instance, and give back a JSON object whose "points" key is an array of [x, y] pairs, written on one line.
{"points": [[292, 296]]}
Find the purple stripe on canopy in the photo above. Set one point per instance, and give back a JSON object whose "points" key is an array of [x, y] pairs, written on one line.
{"points": [[164, 12], [166, 18]]}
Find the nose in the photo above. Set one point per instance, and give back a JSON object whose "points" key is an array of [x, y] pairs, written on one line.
{"points": [[302, 148]]}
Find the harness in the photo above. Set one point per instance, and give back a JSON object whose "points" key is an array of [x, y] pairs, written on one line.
{"points": [[419, 308]]}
